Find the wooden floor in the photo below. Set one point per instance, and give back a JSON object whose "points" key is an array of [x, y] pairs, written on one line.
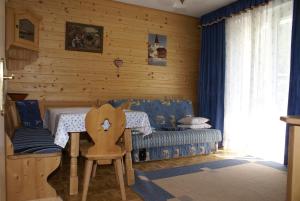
{"points": [[104, 186]]}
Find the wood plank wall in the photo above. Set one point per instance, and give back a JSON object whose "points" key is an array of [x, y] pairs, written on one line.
{"points": [[69, 75]]}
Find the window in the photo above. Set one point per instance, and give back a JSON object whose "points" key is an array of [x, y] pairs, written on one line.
{"points": [[258, 45]]}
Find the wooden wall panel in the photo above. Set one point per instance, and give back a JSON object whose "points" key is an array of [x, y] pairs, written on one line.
{"points": [[68, 75]]}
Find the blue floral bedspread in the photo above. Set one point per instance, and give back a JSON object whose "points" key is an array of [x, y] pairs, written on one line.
{"points": [[169, 152], [161, 113], [167, 142]]}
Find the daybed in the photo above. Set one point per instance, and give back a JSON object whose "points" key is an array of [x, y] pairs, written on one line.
{"points": [[167, 140]]}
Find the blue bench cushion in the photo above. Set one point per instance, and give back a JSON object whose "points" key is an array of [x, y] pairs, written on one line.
{"points": [[30, 113], [162, 113], [28, 140]]}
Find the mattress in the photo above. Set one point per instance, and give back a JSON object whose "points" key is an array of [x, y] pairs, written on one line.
{"points": [[172, 138]]}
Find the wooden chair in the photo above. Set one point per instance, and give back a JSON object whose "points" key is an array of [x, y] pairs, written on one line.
{"points": [[105, 125], [124, 106]]}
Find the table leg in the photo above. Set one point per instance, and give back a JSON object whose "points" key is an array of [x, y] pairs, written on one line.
{"points": [[293, 181], [128, 159], [74, 153]]}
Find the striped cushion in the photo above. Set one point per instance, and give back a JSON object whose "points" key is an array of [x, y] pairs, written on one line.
{"points": [[28, 140]]}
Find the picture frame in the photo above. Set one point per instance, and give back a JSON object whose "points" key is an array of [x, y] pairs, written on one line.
{"points": [[157, 49], [84, 37]]}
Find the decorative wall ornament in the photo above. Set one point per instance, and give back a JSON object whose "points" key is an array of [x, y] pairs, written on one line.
{"points": [[157, 51], [83, 37], [118, 63]]}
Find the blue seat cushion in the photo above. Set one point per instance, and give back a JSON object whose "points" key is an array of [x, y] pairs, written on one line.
{"points": [[39, 140], [29, 113]]}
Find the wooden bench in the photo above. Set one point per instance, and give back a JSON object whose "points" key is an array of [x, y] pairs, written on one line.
{"points": [[27, 173]]}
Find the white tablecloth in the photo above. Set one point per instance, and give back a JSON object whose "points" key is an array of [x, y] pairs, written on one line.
{"points": [[61, 121], [53, 114]]}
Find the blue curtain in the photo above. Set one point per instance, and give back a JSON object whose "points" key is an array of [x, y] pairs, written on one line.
{"points": [[294, 91], [212, 74]]}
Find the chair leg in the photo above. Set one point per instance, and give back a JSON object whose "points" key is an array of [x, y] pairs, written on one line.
{"points": [[121, 178], [116, 171], [123, 166], [86, 179], [94, 169]]}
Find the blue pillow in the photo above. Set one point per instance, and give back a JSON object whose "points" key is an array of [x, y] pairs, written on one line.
{"points": [[29, 112]]}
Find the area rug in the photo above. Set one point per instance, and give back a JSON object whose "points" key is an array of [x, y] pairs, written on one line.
{"points": [[224, 180]]}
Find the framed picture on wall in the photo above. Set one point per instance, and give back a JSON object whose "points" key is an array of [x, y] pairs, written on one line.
{"points": [[157, 50], [83, 37]]}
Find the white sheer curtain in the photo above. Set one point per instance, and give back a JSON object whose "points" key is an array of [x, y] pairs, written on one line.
{"points": [[257, 78]]}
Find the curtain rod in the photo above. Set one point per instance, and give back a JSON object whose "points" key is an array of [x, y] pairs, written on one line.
{"points": [[233, 14]]}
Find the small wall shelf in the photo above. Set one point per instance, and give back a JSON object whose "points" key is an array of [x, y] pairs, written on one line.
{"points": [[22, 29], [22, 37]]}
